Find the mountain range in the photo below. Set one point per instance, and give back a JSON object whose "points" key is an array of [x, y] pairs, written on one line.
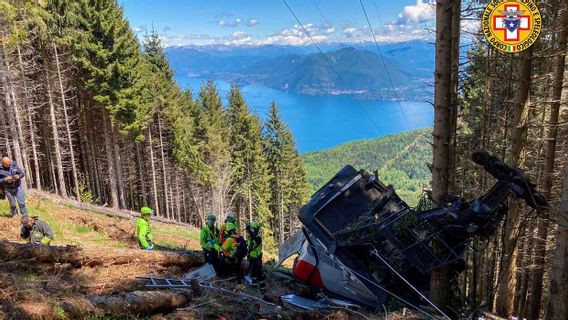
{"points": [[341, 69]]}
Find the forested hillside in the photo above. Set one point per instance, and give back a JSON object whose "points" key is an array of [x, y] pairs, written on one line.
{"points": [[514, 106], [90, 114], [401, 160]]}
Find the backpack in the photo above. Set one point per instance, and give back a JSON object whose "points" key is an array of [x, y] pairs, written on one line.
{"points": [[242, 250]]}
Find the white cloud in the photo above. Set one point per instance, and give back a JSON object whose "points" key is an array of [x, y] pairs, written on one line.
{"points": [[296, 36], [413, 14], [327, 28], [353, 33], [229, 24], [185, 39], [223, 23], [139, 29], [238, 38]]}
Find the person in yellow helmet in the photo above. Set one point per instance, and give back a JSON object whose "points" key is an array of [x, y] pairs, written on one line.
{"points": [[209, 240], [143, 229], [35, 231]]}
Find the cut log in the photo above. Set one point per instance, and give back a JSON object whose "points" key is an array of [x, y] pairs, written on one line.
{"points": [[132, 303], [11, 251]]}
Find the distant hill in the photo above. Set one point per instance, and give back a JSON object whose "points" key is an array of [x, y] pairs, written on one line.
{"points": [[401, 160], [347, 70], [304, 70]]}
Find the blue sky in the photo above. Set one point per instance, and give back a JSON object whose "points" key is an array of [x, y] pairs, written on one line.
{"points": [[257, 22]]}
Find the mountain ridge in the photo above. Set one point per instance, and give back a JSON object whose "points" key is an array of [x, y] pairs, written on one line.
{"points": [[303, 70]]}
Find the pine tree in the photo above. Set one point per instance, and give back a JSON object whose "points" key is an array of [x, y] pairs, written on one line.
{"points": [[108, 54], [211, 135], [288, 184], [249, 172]]}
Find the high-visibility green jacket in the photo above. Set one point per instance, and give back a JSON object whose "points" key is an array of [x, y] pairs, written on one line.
{"points": [[144, 232], [254, 245], [229, 247], [209, 238]]}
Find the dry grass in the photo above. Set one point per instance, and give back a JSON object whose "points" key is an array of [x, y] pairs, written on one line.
{"points": [[90, 229], [29, 290]]}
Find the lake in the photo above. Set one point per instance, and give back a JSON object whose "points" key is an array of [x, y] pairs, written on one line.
{"points": [[320, 122]]}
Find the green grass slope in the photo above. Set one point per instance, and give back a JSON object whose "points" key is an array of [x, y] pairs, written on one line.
{"points": [[401, 160], [89, 229]]}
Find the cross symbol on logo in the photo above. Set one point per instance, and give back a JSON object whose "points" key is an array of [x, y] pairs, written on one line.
{"points": [[511, 26]]}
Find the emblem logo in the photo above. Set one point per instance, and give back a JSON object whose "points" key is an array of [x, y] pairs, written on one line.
{"points": [[511, 26]]}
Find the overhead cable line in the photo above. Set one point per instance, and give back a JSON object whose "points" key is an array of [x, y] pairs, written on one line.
{"points": [[334, 70], [326, 20], [384, 64]]}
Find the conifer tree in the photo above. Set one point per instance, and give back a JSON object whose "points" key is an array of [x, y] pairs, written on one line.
{"points": [[283, 163], [249, 172], [211, 135]]}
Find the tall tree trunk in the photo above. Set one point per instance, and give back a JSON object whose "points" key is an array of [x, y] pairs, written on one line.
{"points": [[107, 133], [454, 78], [5, 125], [507, 284], [29, 113], [54, 129], [115, 136], [442, 134], [164, 173], [558, 308], [11, 108], [67, 124], [144, 193], [178, 194], [153, 166]]}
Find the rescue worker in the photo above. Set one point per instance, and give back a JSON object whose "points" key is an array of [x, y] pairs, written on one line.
{"points": [[35, 231], [11, 183], [231, 218], [254, 245], [234, 251], [143, 229], [209, 239]]}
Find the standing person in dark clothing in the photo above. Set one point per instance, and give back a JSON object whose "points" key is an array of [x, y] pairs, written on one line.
{"points": [[35, 231], [11, 182], [254, 244]]}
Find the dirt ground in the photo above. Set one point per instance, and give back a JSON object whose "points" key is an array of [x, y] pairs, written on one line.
{"points": [[33, 290]]}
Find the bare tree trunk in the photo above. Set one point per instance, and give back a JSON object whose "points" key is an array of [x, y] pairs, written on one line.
{"points": [[144, 195], [164, 173], [543, 224], [54, 129], [67, 124], [250, 202], [177, 202], [115, 135], [558, 308], [152, 164], [29, 113], [11, 108], [507, 284], [442, 135], [107, 133], [5, 125]]}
